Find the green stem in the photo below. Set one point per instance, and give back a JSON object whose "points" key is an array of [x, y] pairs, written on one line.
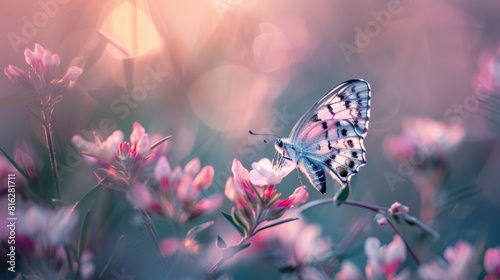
{"points": [[408, 247], [370, 207], [228, 253], [52, 154], [374, 208], [153, 234]]}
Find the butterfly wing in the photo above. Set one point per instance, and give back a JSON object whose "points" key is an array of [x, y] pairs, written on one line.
{"points": [[331, 134]]}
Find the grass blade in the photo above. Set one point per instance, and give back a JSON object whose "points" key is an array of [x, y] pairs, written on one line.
{"points": [[78, 205], [117, 251], [84, 234], [16, 166]]}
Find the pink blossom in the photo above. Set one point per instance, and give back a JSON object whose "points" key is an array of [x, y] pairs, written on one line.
{"points": [[488, 76], [297, 244], [384, 260], [179, 191], [298, 197], [41, 78], [258, 203], [348, 271], [264, 173], [458, 264], [87, 265], [139, 140], [119, 162], [398, 209], [492, 263], [47, 228], [140, 196], [423, 135], [204, 178], [381, 220], [101, 150]]}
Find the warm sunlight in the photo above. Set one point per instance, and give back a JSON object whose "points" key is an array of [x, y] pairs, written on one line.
{"points": [[132, 29]]}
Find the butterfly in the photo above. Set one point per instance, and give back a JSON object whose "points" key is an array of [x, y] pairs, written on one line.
{"points": [[328, 138]]}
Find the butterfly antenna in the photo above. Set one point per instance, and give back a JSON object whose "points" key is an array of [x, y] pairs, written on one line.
{"points": [[264, 134]]}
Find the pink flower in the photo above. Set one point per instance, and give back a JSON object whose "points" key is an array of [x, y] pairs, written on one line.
{"points": [[121, 163], [258, 203], [179, 191], [425, 136], [348, 271], [139, 140], [298, 197], [296, 244], [140, 196], [47, 228], [398, 209], [488, 76], [384, 260], [102, 150], [458, 264], [492, 263], [264, 173], [41, 78], [381, 220]]}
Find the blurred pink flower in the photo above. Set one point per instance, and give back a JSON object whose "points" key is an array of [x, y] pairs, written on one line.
{"points": [[187, 246], [423, 135], [384, 260], [458, 264], [47, 228], [264, 173], [381, 220], [258, 203], [26, 156], [140, 196], [348, 271], [295, 244], [492, 263], [101, 150], [488, 76], [179, 191], [41, 78], [87, 266]]}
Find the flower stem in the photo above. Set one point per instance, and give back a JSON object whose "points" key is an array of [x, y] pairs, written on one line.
{"points": [[359, 204], [153, 234], [374, 208], [52, 155], [408, 247], [228, 253]]}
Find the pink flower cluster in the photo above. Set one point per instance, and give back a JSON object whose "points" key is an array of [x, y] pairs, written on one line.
{"points": [[41, 78], [120, 162], [492, 263], [458, 264], [383, 261], [256, 203], [178, 192]]}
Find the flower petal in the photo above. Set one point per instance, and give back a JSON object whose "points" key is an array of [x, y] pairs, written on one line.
{"points": [[204, 178], [137, 133]]}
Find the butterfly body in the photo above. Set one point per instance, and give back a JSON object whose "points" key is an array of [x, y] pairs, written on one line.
{"points": [[328, 138]]}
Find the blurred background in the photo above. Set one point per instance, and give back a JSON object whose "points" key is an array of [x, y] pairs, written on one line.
{"points": [[207, 71]]}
